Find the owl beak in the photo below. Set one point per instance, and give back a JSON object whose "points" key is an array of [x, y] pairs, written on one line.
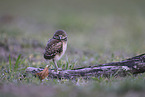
{"points": [[60, 36]]}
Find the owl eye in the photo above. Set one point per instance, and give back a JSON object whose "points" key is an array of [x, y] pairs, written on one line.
{"points": [[64, 38], [56, 36]]}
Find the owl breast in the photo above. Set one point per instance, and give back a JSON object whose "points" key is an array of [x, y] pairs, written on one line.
{"points": [[57, 57]]}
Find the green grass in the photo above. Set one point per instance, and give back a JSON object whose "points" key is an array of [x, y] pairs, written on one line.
{"points": [[98, 31]]}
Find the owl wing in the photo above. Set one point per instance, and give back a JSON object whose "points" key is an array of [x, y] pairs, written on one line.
{"points": [[52, 48]]}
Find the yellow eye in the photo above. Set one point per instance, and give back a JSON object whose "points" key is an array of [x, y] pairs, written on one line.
{"points": [[56, 36]]}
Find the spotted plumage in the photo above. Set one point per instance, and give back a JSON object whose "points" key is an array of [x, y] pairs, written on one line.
{"points": [[53, 48]]}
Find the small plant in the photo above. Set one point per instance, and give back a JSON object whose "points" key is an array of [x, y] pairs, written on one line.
{"points": [[10, 64], [67, 65], [17, 64]]}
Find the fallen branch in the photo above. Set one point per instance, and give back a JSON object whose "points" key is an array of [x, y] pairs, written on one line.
{"points": [[133, 65]]}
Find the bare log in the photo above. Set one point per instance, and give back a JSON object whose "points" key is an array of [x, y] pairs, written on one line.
{"points": [[132, 65]]}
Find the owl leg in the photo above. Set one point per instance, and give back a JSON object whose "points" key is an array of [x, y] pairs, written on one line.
{"points": [[47, 62], [55, 64]]}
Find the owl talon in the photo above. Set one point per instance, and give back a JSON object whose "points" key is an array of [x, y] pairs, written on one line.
{"points": [[59, 69], [57, 72]]}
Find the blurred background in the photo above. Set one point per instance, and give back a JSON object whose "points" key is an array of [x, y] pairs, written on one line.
{"points": [[103, 27], [99, 31], [99, 25]]}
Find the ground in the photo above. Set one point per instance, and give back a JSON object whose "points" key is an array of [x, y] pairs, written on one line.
{"points": [[98, 32]]}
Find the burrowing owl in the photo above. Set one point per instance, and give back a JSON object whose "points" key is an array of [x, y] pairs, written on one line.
{"points": [[56, 47]]}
